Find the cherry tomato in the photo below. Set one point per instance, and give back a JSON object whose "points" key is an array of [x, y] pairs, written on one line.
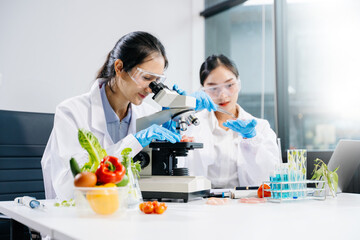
{"points": [[163, 204], [148, 208], [152, 207], [266, 193], [141, 206], [160, 209]]}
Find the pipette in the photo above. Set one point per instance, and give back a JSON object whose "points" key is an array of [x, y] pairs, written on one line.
{"points": [[220, 109]]}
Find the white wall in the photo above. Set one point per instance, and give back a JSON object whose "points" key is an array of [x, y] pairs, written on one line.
{"points": [[51, 50]]}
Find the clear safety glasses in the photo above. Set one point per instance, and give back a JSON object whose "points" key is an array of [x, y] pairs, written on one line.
{"points": [[144, 78], [228, 88]]}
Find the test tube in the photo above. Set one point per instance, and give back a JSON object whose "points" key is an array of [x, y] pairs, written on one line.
{"points": [[272, 184], [284, 179], [291, 156], [278, 180]]}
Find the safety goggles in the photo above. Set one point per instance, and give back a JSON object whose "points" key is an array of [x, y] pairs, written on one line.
{"points": [[228, 88], [144, 78]]}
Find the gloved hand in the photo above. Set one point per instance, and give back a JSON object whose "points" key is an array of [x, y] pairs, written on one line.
{"points": [[171, 126], [178, 90], [203, 101], [157, 132], [245, 127]]}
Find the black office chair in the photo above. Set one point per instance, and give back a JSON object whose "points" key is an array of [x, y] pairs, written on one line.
{"points": [[23, 137]]}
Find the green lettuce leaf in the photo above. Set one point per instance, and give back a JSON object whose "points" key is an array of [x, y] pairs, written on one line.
{"points": [[127, 161], [90, 143]]}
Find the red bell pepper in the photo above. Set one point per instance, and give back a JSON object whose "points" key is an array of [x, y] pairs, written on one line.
{"points": [[110, 170]]}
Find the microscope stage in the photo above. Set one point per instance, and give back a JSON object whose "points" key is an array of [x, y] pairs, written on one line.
{"points": [[174, 187]]}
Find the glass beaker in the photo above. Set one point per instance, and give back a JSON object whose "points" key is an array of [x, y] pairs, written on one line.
{"points": [[135, 196]]}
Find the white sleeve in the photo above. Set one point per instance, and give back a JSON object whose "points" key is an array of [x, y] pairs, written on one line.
{"points": [[259, 155], [63, 145]]}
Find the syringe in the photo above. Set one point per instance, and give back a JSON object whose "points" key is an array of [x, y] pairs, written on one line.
{"points": [[29, 202]]}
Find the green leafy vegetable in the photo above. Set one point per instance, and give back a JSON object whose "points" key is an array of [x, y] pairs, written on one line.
{"points": [[90, 143], [321, 172], [127, 161]]}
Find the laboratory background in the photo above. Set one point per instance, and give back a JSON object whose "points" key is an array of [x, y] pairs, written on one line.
{"points": [[298, 60]]}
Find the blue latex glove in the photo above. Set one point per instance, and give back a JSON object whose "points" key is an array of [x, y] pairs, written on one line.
{"points": [[157, 132], [178, 90], [203, 101], [245, 127], [171, 126]]}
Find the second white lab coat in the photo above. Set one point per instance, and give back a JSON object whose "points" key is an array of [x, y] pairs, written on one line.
{"points": [[251, 160], [84, 111]]}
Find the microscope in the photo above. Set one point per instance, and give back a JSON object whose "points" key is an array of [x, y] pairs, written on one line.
{"points": [[160, 177]]}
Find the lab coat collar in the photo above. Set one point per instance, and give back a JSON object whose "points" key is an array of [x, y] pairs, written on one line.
{"points": [[97, 111], [98, 114], [134, 115]]}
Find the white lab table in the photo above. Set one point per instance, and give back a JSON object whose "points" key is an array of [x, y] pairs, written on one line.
{"points": [[334, 218]]}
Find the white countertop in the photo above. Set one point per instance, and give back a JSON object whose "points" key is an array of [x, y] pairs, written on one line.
{"points": [[334, 218]]}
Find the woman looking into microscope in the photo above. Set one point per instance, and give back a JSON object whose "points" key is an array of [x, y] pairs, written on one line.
{"points": [[109, 110]]}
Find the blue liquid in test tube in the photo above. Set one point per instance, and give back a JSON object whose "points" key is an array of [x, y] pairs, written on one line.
{"points": [[284, 179], [272, 186], [279, 185], [292, 174]]}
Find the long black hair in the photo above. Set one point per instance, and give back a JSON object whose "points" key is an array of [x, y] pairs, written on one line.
{"points": [[131, 49], [213, 62]]}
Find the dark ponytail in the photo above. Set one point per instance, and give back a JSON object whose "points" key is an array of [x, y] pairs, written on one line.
{"points": [[132, 49], [213, 62]]}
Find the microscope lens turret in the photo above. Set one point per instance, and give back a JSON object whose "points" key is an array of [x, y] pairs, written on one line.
{"points": [[183, 124], [193, 120]]}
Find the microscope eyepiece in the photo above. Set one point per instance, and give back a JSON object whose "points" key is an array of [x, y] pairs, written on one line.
{"points": [[156, 87]]}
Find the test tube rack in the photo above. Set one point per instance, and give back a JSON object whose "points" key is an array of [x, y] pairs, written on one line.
{"points": [[294, 191]]}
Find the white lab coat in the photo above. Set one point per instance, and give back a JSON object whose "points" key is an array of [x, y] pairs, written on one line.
{"points": [[226, 154], [84, 111]]}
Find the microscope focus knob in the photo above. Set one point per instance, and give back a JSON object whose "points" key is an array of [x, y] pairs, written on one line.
{"points": [[143, 158]]}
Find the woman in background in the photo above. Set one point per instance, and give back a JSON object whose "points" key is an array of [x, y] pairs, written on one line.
{"points": [[239, 151]]}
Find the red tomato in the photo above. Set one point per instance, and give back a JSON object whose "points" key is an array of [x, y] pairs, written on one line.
{"points": [[260, 191], [152, 207], [160, 209], [141, 206], [148, 208]]}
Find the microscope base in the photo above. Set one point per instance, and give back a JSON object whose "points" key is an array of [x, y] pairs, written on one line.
{"points": [[160, 196], [174, 187]]}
